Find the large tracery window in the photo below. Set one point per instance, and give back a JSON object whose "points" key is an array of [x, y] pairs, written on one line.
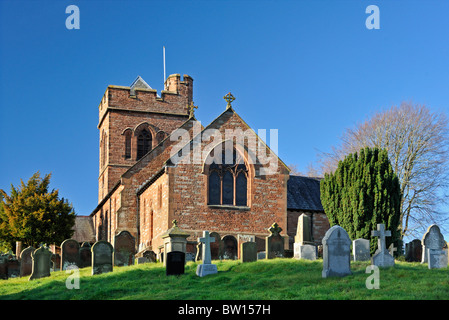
{"points": [[144, 141], [228, 181]]}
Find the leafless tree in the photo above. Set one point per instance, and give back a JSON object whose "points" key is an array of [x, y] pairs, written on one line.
{"points": [[417, 142]]}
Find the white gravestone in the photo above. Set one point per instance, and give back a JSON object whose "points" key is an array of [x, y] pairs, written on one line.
{"points": [[360, 249], [206, 267]]}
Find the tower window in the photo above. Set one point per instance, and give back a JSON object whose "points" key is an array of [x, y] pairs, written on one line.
{"points": [[143, 143], [128, 134]]}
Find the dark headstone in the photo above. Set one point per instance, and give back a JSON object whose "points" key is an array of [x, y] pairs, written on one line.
{"points": [[70, 253], [3, 267], [175, 262], [248, 252], [216, 248], [124, 249], [413, 251], [274, 243], [230, 247], [85, 255], [41, 263], [26, 261], [102, 257]]}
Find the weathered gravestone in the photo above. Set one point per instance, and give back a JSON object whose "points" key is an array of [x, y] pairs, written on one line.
{"points": [[124, 249], [85, 255], [41, 263], [26, 261], [360, 250], [70, 253], [102, 257], [3, 267], [432, 248], [206, 267], [382, 258], [174, 263], [216, 247], [413, 251], [336, 253], [274, 243], [175, 239], [304, 247], [230, 247], [248, 251], [432, 239], [146, 256]]}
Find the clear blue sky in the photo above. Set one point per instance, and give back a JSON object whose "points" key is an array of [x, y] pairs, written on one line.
{"points": [[307, 68]]}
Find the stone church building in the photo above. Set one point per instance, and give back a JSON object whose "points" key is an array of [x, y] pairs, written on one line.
{"points": [[158, 163]]}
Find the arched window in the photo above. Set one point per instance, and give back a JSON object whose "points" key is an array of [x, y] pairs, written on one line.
{"points": [[128, 134], [143, 143], [227, 182], [103, 148]]}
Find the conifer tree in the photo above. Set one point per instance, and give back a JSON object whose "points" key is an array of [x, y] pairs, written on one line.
{"points": [[362, 192], [34, 215]]}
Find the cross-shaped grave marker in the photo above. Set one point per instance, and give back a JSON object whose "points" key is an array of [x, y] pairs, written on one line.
{"points": [[381, 233], [382, 258], [206, 240], [206, 267]]}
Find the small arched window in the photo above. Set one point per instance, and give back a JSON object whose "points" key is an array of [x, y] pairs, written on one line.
{"points": [[144, 141], [227, 182]]}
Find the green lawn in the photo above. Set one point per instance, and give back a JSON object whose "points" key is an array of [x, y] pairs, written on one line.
{"points": [[278, 279]]}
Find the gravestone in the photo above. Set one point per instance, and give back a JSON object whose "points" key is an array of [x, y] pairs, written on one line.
{"points": [[70, 253], [206, 267], [382, 258], [174, 263], [3, 267], [85, 255], [146, 256], [437, 258], [413, 251], [26, 261], [303, 231], [434, 240], [361, 250], [230, 248], [336, 253], [124, 249], [41, 263], [175, 239], [304, 251], [216, 247], [102, 257], [274, 243], [56, 261], [248, 251], [304, 247]]}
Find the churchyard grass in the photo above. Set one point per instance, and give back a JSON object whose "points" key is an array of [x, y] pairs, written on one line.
{"points": [[277, 279]]}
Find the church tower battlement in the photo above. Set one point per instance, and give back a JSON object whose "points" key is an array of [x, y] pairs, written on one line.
{"points": [[133, 120]]}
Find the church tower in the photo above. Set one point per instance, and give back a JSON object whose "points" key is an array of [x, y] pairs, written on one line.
{"points": [[133, 120]]}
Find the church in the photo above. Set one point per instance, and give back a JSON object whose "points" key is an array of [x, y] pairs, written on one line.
{"points": [[158, 164]]}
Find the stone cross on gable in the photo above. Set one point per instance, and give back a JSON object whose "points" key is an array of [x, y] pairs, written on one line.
{"points": [[381, 233], [206, 240]]}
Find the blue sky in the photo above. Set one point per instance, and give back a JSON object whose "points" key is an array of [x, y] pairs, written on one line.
{"points": [[307, 68]]}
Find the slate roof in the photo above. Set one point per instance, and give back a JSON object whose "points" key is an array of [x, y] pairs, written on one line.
{"points": [[303, 193], [84, 229]]}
